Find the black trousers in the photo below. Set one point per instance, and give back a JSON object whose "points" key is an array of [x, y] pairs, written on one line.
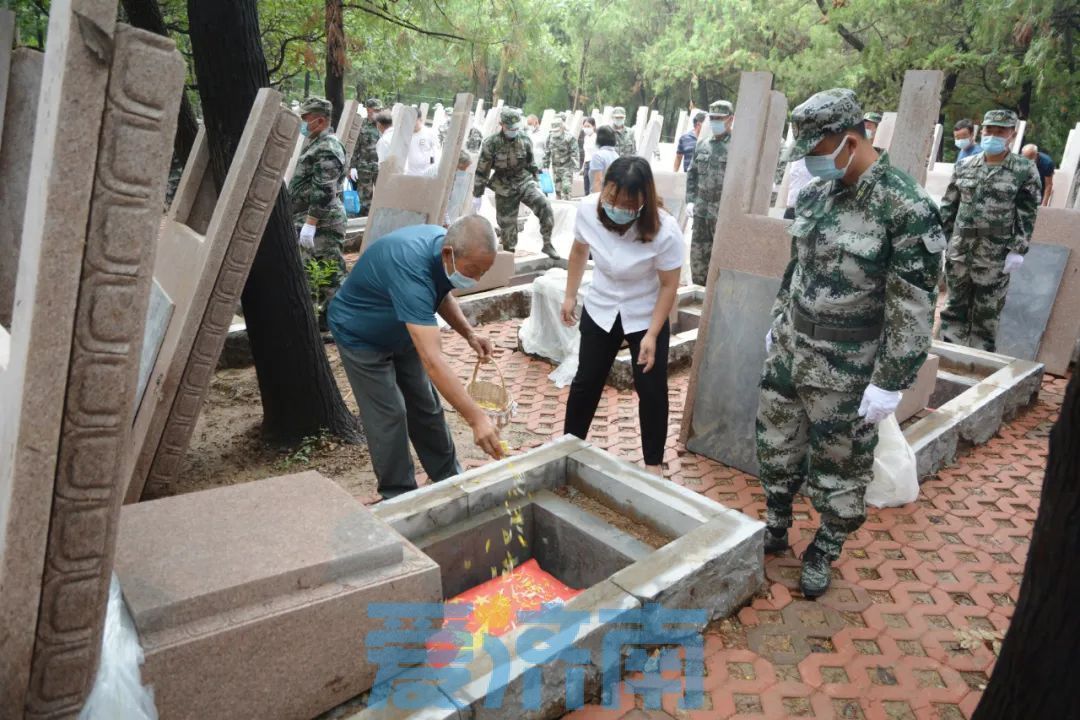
{"points": [[595, 358]]}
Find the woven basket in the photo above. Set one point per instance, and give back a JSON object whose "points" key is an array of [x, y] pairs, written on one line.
{"points": [[494, 398]]}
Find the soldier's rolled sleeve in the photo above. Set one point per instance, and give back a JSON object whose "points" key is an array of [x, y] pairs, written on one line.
{"points": [[1027, 204], [692, 182], [575, 155], [530, 160], [483, 170], [950, 203], [910, 296]]}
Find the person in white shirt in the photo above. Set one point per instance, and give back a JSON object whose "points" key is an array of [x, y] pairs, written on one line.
{"points": [[605, 153], [424, 150], [383, 121], [637, 251], [587, 144]]}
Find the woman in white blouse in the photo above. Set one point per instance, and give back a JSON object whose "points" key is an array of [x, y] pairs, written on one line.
{"points": [[637, 252]]}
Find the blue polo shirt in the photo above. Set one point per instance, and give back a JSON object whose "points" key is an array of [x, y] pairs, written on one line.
{"points": [[687, 145], [399, 279]]}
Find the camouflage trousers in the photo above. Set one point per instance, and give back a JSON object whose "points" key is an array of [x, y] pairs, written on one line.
{"points": [[506, 213], [816, 435], [973, 309], [564, 183], [365, 185], [701, 242], [331, 272]]}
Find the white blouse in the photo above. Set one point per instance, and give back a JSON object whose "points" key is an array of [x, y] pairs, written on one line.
{"points": [[625, 281]]}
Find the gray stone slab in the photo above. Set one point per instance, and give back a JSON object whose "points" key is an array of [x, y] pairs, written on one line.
{"points": [[242, 545], [388, 219], [1032, 292], [727, 391], [158, 314]]}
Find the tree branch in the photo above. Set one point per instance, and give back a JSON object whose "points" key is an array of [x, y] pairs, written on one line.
{"points": [[401, 22], [849, 37]]}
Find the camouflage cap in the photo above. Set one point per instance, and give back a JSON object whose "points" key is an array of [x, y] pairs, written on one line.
{"points": [[557, 123], [874, 117], [510, 117], [722, 108], [317, 105], [618, 111], [826, 113], [1000, 118], [373, 104]]}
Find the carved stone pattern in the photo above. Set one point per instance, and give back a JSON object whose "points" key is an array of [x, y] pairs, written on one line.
{"points": [[199, 370], [138, 125]]}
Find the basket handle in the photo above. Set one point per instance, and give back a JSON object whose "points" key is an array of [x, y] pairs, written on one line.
{"points": [[476, 369]]}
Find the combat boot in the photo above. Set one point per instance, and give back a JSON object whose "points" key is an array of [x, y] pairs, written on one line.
{"points": [[816, 572], [550, 251], [775, 540]]}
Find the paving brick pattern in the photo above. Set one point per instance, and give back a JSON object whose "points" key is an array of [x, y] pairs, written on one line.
{"points": [[896, 635]]}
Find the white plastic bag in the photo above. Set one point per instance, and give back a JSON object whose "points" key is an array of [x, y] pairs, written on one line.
{"points": [[543, 332], [896, 476], [118, 692]]}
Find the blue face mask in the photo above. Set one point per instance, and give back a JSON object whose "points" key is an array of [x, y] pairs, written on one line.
{"points": [[993, 145], [620, 216], [824, 166], [510, 133], [304, 128], [961, 143], [719, 127], [461, 282]]}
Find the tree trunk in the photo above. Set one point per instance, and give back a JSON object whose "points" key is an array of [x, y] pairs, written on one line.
{"points": [[1035, 677], [146, 15], [500, 80], [335, 58], [299, 395], [1024, 106]]}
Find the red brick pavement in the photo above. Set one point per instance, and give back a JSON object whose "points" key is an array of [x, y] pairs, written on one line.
{"points": [[896, 635]]}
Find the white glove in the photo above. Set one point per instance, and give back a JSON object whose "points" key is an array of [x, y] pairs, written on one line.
{"points": [[768, 340], [307, 236], [353, 174], [878, 404], [689, 209], [1013, 261], [476, 202]]}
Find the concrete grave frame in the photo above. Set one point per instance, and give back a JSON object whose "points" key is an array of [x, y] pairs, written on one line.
{"points": [[348, 128], [714, 561]]}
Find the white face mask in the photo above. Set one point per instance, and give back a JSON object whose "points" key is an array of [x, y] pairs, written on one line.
{"points": [[588, 131]]}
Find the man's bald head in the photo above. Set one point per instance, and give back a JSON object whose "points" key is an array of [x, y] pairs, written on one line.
{"points": [[1030, 151], [471, 242]]}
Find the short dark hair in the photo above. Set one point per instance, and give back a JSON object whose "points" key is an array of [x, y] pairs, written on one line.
{"points": [[963, 124], [384, 117], [605, 136], [634, 176], [589, 120], [700, 118]]}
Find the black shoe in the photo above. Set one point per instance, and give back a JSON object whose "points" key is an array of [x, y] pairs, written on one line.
{"points": [[550, 251], [775, 540], [816, 572]]}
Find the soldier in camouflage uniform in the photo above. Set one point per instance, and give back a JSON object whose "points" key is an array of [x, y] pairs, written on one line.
{"points": [[989, 213], [365, 160], [704, 183], [473, 139], [624, 136], [315, 194], [851, 326], [563, 158], [507, 166]]}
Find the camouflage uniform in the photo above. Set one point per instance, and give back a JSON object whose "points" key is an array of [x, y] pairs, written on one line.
{"points": [[563, 159], [988, 212], [365, 159], [704, 183], [855, 307], [314, 191], [473, 139], [506, 165], [624, 136]]}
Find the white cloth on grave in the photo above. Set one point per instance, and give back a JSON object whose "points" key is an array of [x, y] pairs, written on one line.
{"points": [[797, 180], [543, 332], [625, 279]]}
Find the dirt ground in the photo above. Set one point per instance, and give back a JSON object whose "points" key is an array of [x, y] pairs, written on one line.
{"points": [[226, 448]]}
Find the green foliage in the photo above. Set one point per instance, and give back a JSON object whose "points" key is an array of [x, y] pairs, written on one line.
{"points": [[320, 273], [301, 456]]}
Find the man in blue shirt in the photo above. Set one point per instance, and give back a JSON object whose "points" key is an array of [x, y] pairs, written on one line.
{"points": [[964, 139], [684, 151], [1045, 165], [383, 320]]}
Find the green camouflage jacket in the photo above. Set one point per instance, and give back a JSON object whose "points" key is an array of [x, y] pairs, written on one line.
{"points": [[862, 256], [473, 139], [624, 141], [705, 178], [364, 154], [316, 184], [994, 202], [562, 153], [505, 165]]}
